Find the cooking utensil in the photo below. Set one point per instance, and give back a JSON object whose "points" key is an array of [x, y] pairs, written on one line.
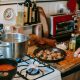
{"points": [[44, 21], [13, 45], [56, 50], [8, 75]]}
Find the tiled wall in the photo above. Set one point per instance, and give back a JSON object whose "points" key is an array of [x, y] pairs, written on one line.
{"points": [[52, 7]]}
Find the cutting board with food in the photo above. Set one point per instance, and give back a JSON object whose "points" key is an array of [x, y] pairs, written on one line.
{"points": [[68, 63]]}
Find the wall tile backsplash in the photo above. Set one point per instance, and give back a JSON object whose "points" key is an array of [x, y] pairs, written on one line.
{"points": [[51, 8]]}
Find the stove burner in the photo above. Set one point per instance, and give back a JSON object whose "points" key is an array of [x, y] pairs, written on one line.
{"points": [[18, 60], [33, 71]]}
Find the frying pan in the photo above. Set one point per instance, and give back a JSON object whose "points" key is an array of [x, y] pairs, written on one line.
{"points": [[63, 54]]}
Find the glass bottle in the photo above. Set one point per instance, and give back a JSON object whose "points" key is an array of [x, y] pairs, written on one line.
{"points": [[72, 43], [30, 12], [26, 12], [34, 12], [20, 15]]}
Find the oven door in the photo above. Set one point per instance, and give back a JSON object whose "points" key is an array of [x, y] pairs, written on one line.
{"points": [[64, 30], [64, 27]]}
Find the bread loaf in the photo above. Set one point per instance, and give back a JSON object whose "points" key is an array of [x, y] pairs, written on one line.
{"points": [[38, 40]]}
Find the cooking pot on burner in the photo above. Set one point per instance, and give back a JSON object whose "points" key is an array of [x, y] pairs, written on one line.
{"points": [[13, 45]]}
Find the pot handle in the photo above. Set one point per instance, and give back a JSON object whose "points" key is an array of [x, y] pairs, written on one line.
{"points": [[1, 42]]}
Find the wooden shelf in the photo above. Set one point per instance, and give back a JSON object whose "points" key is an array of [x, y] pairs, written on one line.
{"points": [[41, 1], [31, 25], [9, 2]]}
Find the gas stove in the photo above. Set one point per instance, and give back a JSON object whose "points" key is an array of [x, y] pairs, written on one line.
{"points": [[32, 69]]}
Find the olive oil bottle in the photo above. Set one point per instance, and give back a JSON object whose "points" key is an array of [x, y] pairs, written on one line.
{"points": [[72, 43]]}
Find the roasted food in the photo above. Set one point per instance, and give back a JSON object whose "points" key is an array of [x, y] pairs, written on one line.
{"points": [[31, 50], [49, 54], [36, 40]]}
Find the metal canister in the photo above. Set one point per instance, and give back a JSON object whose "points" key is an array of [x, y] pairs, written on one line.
{"points": [[38, 30]]}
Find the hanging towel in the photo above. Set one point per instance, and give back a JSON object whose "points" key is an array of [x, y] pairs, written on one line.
{"points": [[71, 5]]}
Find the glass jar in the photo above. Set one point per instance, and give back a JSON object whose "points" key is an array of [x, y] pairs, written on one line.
{"points": [[20, 15]]}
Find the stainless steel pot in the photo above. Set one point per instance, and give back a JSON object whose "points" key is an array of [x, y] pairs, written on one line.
{"points": [[13, 45]]}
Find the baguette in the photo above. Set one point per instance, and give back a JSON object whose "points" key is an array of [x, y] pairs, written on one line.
{"points": [[49, 42], [38, 40]]}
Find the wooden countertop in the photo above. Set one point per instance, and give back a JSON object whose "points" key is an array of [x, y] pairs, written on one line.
{"points": [[65, 65], [68, 63]]}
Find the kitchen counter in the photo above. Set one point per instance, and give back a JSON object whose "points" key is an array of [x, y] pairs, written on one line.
{"points": [[68, 63], [67, 67], [70, 67]]}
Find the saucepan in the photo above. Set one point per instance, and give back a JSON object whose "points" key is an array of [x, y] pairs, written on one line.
{"points": [[8, 68], [13, 45]]}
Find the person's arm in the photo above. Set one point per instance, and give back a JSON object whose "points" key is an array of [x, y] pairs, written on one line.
{"points": [[77, 53]]}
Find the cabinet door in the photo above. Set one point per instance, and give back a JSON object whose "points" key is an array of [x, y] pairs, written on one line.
{"points": [[57, 78], [74, 76]]}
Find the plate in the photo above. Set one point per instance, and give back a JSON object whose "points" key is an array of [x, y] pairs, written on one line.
{"points": [[49, 54], [8, 14]]}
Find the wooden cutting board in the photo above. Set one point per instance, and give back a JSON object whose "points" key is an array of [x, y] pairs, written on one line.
{"points": [[69, 62]]}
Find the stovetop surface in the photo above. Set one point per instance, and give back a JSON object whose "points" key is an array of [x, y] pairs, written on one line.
{"points": [[36, 69]]}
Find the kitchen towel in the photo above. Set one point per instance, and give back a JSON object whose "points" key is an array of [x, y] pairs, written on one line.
{"points": [[71, 5]]}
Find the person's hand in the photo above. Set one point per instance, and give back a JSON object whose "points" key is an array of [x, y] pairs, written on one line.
{"points": [[77, 53]]}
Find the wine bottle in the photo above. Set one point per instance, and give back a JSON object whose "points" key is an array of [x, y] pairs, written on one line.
{"points": [[34, 12], [26, 12], [30, 12]]}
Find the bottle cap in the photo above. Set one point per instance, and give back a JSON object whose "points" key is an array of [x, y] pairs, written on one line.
{"points": [[72, 35]]}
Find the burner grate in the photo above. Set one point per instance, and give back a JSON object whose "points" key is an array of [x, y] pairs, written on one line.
{"points": [[27, 64]]}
